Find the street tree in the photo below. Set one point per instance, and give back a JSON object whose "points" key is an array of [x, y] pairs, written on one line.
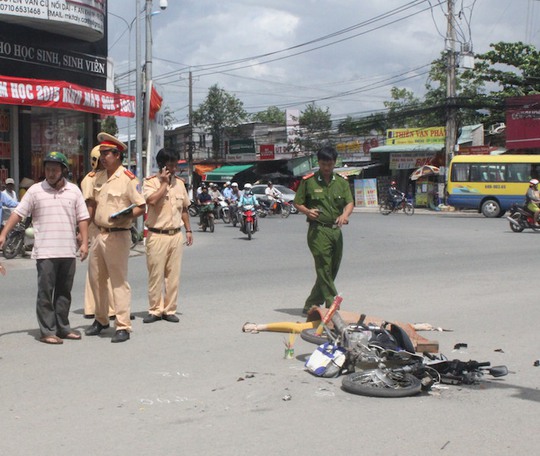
{"points": [[219, 111], [109, 125], [315, 125], [272, 115]]}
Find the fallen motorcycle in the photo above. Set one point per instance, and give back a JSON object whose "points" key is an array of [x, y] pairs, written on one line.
{"points": [[521, 218], [19, 240]]}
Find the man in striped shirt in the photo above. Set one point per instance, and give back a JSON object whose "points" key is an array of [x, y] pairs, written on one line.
{"points": [[57, 207]]}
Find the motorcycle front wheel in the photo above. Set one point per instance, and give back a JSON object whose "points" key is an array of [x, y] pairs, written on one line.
{"points": [[193, 210], [379, 383], [211, 223], [408, 209], [309, 335], [226, 215], [13, 245], [249, 229], [285, 210]]}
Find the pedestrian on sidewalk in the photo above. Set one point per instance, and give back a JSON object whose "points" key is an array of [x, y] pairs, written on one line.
{"points": [[57, 207]]}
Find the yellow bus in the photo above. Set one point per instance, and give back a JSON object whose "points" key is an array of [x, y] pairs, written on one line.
{"points": [[490, 183]]}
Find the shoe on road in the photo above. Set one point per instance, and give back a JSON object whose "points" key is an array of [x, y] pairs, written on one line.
{"points": [[172, 318], [151, 318], [120, 336], [95, 329]]}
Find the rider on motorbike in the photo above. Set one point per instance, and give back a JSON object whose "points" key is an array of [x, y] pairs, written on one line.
{"points": [[205, 202], [273, 194], [395, 196], [247, 199], [532, 199]]}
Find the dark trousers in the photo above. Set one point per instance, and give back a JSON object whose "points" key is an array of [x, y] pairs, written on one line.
{"points": [[55, 281], [326, 245]]}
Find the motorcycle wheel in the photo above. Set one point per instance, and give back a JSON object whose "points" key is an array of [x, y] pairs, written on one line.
{"points": [[249, 230], [385, 208], [13, 245], [285, 210], [211, 224], [234, 221], [261, 213], [378, 383], [513, 227], [226, 215], [193, 210], [309, 336], [135, 238], [408, 209]]}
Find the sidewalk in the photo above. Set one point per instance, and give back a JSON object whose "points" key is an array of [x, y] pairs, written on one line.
{"points": [[424, 211]]}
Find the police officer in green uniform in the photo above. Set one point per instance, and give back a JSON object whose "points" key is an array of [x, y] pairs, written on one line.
{"points": [[326, 199]]}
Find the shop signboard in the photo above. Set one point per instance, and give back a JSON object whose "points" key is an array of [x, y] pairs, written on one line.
{"points": [[410, 161], [523, 122], [429, 135], [241, 150], [365, 192], [83, 19], [266, 152], [5, 145]]}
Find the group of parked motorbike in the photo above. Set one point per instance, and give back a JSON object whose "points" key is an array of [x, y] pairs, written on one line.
{"points": [[246, 217]]}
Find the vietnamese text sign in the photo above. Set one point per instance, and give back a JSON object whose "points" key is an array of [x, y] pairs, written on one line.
{"points": [[429, 135], [365, 192], [523, 122], [410, 161], [64, 95]]}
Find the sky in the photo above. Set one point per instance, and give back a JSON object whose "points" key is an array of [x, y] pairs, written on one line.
{"points": [[344, 55]]}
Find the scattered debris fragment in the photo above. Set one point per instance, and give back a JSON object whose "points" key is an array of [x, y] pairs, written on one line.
{"points": [[499, 350], [460, 345], [287, 397], [537, 363]]}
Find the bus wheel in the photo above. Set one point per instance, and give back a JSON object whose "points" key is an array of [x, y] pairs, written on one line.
{"points": [[490, 208]]}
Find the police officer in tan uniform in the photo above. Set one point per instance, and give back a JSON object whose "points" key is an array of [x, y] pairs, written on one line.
{"points": [[114, 190], [87, 188], [167, 200]]}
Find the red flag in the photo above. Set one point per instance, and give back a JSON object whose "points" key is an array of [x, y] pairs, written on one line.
{"points": [[156, 101]]}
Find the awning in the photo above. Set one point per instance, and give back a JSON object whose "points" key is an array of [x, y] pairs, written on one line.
{"points": [[64, 95], [407, 148], [201, 170], [226, 173]]}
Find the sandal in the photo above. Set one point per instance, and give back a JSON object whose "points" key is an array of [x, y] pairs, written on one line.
{"points": [[53, 340], [73, 335]]}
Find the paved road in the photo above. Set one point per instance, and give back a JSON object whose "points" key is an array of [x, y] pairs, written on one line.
{"points": [[204, 387]]}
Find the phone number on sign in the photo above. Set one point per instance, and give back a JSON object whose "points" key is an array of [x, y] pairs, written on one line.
{"points": [[20, 9]]}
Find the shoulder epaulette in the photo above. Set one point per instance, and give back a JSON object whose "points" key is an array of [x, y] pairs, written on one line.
{"points": [[92, 173], [129, 174], [307, 176], [150, 177]]}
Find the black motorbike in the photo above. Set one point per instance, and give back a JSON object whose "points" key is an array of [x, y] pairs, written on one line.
{"points": [[19, 240], [521, 218]]}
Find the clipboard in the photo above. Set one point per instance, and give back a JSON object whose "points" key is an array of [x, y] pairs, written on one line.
{"points": [[127, 210]]}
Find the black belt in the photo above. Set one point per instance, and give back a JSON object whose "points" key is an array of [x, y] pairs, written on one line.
{"points": [[326, 225], [111, 230], [170, 232]]}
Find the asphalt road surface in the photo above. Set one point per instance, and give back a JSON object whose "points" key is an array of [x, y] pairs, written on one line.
{"points": [[203, 387]]}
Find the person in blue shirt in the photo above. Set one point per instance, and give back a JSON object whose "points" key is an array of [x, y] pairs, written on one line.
{"points": [[227, 191], [248, 199], [6, 201]]}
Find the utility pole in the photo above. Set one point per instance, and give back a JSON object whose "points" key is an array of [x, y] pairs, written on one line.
{"points": [[190, 139], [451, 127], [148, 89]]}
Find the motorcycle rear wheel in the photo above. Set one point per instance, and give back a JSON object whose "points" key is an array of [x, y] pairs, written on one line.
{"points": [[385, 208], [14, 244], [376, 383], [193, 210], [513, 227]]}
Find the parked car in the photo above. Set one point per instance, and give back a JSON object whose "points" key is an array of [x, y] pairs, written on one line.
{"points": [[288, 194]]}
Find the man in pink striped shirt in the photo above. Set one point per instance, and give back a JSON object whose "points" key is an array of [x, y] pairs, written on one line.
{"points": [[57, 207]]}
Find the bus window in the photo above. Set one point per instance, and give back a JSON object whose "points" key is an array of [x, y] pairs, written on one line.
{"points": [[518, 172], [460, 172]]}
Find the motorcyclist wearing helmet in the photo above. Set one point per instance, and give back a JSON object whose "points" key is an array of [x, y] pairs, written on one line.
{"points": [[227, 191], [273, 194], [56, 206], [394, 195], [204, 199], [532, 199], [248, 199]]}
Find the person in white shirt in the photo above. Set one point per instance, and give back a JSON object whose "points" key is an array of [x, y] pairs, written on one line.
{"points": [[272, 193]]}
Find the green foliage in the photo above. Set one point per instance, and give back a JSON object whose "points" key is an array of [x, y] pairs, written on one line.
{"points": [[315, 125], [272, 115], [109, 125], [220, 110], [168, 118]]}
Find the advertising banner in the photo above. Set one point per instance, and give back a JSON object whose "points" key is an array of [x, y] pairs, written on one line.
{"points": [[266, 152], [365, 192], [523, 122], [5, 144], [410, 161], [63, 95], [429, 135]]}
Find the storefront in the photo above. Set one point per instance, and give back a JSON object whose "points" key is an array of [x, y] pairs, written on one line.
{"points": [[53, 85]]}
